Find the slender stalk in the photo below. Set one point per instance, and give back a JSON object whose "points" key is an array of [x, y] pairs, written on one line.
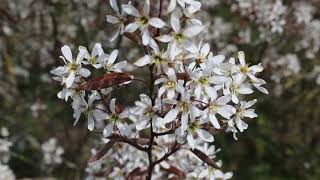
{"points": [[152, 134]]}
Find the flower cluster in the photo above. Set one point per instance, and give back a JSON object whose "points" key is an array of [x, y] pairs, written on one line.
{"points": [[193, 94]]}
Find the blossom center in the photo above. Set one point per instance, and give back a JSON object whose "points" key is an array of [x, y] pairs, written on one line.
{"points": [[234, 89], [92, 60], [114, 118], [73, 66], [193, 127], [244, 69], [203, 80], [170, 84], [144, 20], [179, 37], [213, 108], [183, 106]]}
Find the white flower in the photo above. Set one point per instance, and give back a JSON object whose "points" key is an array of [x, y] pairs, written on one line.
{"points": [[142, 21], [6, 173], [169, 85], [214, 174], [218, 106], [118, 20], [241, 113], [185, 106], [72, 67], [115, 121], [195, 130], [146, 112], [245, 70], [203, 81], [158, 58], [93, 57], [108, 62], [179, 37], [199, 54], [235, 88], [89, 109]]}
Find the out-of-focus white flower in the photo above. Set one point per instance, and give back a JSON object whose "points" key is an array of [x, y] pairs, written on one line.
{"points": [[6, 173], [52, 152]]}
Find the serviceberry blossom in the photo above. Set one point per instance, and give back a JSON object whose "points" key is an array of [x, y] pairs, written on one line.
{"points": [[142, 21], [192, 94]]}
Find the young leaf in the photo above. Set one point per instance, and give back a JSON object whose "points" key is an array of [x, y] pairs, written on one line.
{"points": [[102, 152], [105, 81], [204, 158]]}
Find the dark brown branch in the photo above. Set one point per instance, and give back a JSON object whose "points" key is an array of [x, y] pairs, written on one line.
{"points": [[132, 141]]}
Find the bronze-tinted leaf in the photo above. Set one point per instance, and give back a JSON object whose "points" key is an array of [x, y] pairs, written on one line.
{"points": [[174, 170], [105, 81], [118, 107], [137, 174], [102, 152], [204, 158]]}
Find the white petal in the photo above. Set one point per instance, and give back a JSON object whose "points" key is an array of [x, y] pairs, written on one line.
{"points": [[205, 135], [192, 143], [205, 49], [245, 90], [250, 113], [143, 61], [172, 5], [129, 9], [132, 27], [97, 50], [113, 56], [146, 8], [226, 111], [114, 5], [84, 72], [145, 37], [145, 99], [193, 30], [90, 122], [212, 93], [241, 57], [66, 51], [142, 124], [108, 130], [112, 19], [175, 23], [171, 115], [214, 121], [70, 79], [113, 105], [157, 22], [164, 38]]}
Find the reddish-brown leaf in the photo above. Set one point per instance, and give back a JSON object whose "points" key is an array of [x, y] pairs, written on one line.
{"points": [[137, 174], [174, 170], [105, 81], [118, 107], [102, 152], [204, 158]]}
